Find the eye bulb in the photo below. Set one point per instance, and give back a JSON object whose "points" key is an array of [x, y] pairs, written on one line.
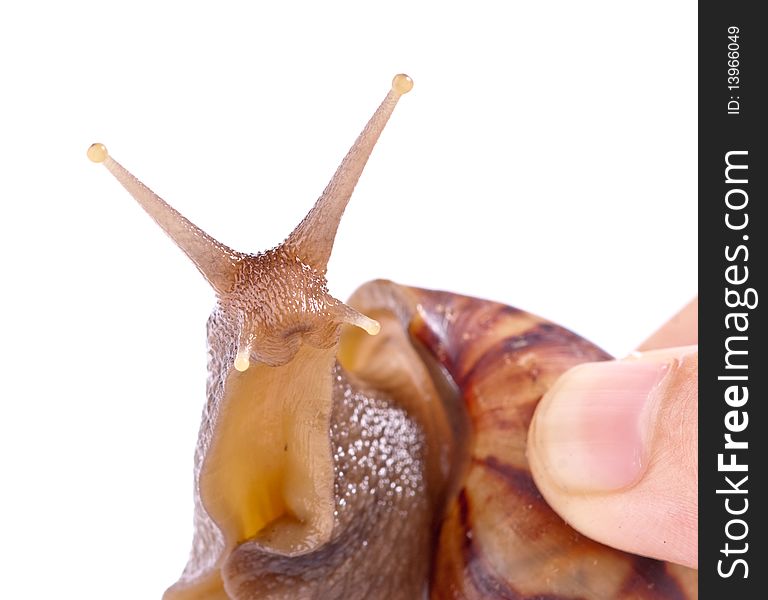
{"points": [[97, 152], [402, 84], [243, 360]]}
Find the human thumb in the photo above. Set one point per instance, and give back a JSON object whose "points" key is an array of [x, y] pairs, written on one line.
{"points": [[613, 449]]}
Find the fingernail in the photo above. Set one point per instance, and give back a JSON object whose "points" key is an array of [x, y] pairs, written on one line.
{"points": [[591, 430]]}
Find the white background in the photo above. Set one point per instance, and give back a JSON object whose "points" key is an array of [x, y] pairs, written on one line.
{"points": [[545, 158]]}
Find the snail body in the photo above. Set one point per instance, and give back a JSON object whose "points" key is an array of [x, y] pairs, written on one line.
{"points": [[384, 460]]}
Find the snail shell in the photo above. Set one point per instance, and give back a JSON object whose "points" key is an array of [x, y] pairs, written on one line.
{"points": [[382, 461]]}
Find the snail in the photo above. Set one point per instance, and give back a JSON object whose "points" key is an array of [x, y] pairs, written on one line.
{"points": [[375, 448]]}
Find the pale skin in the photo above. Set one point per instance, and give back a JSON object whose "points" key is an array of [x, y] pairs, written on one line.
{"points": [[613, 446]]}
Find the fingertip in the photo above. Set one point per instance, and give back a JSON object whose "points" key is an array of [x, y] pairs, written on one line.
{"points": [[592, 431], [580, 449]]}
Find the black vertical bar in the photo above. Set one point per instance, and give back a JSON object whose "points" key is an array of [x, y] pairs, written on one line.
{"points": [[733, 260]]}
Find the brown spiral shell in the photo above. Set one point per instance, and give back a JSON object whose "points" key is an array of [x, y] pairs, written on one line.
{"points": [[498, 538]]}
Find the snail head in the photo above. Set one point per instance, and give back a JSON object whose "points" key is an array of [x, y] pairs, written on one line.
{"points": [[277, 299]]}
